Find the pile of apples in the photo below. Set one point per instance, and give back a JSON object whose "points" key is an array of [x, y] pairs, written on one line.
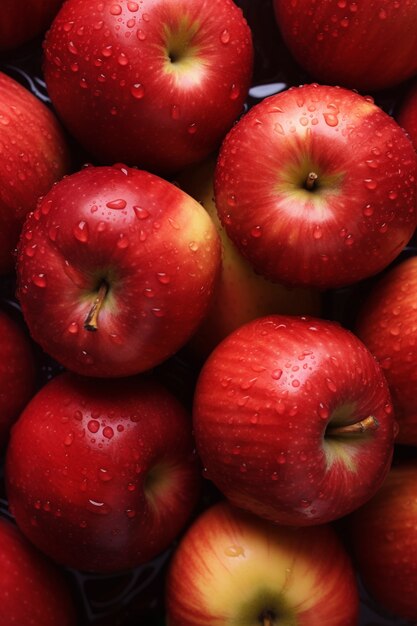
{"points": [[207, 235]]}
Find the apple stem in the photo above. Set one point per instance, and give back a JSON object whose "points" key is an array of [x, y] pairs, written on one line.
{"points": [[91, 322], [311, 181], [365, 425], [267, 621]]}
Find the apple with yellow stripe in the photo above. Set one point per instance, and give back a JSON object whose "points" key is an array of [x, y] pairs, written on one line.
{"points": [[116, 269], [232, 568], [316, 186], [241, 295], [293, 420], [154, 83]]}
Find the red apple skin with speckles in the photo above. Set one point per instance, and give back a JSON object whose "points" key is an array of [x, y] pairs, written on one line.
{"points": [[154, 83], [384, 542], [233, 566], [387, 326], [265, 405], [153, 248], [363, 45], [406, 113], [102, 475], [17, 373], [32, 590], [34, 156], [360, 211]]}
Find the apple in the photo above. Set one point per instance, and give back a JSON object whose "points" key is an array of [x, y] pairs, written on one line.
{"points": [[17, 373], [293, 420], [365, 45], [317, 186], [387, 324], [18, 26], [33, 156], [406, 113], [154, 83], [232, 568], [384, 539], [116, 269], [240, 295], [32, 590], [102, 475]]}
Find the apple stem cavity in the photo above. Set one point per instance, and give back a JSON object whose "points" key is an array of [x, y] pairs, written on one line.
{"points": [[368, 424], [311, 181], [91, 322], [267, 618]]}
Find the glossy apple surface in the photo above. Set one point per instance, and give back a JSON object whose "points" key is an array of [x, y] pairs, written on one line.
{"points": [[364, 45], [316, 186], [232, 568], [293, 420], [240, 295], [32, 590], [116, 269], [387, 324], [19, 24], [17, 373], [154, 83], [384, 537], [101, 475], [33, 156]]}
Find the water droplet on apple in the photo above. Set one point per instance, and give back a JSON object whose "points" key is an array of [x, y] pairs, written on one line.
{"points": [[39, 280], [234, 551], [158, 312], [192, 128], [115, 9], [108, 432], [175, 112], [97, 507], [80, 231], [317, 232], [331, 119], [131, 513], [132, 7], [234, 92], [331, 385], [256, 232], [122, 59], [276, 374], [141, 213], [193, 245], [104, 475], [163, 278], [140, 35], [69, 439], [107, 51], [392, 195], [73, 328], [72, 49], [370, 184], [368, 210], [93, 426], [323, 411], [122, 242], [225, 36]]}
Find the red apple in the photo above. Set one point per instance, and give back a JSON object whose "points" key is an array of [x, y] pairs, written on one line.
{"points": [[32, 590], [32, 158], [116, 270], [317, 186], [19, 24], [293, 420], [17, 374], [365, 45], [384, 536], [232, 568], [406, 115], [241, 295], [102, 476], [387, 324], [154, 83]]}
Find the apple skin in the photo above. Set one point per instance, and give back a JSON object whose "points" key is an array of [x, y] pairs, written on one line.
{"points": [[406, 115], [17, 373], [387, 325], [154, 247], [102, 475], [240, 295], [34, 155], [281, 384], [347, 43], [32, 590], [384, 541], [19, 26], [154, 83], [232, 567], [361, 210]]}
